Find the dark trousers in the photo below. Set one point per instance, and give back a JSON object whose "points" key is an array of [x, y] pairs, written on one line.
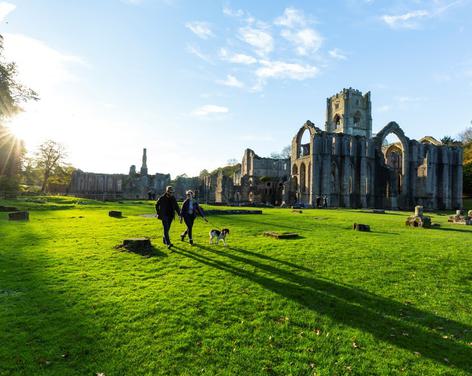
{"points": [[166, 222], [189, 223]]}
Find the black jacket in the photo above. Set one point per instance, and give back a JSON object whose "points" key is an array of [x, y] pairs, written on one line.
{"points": [[166, 206], [196, 209]]}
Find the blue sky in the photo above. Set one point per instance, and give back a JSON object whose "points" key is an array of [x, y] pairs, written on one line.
{"points": [[197, 82]]}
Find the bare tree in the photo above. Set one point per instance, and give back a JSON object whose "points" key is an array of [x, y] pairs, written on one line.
{"points": [[50, 159], [466, 135]]}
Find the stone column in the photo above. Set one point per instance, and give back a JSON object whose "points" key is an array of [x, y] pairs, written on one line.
{"points": [[459, 178], [363, 173]]}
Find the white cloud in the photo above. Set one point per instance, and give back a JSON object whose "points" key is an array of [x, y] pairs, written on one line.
{"points": [[47, 69], [237, 58], [6, 9], [384, 108], [405, 21], [406, 99], [201, 29], [280, 69], [232, 12], [336, 53], [210, 109], [305, 40], [196, 51], [291, 18], [261, 40], [231, 81]]}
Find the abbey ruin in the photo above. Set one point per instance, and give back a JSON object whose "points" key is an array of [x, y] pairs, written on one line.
{"points": [[344, 164]]}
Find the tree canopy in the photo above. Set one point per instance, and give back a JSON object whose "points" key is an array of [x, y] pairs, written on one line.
{"points": [[12, 92]]}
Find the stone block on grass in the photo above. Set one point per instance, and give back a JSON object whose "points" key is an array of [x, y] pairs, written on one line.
{"points": [[19, 216], [115, 214], [361, 227]]}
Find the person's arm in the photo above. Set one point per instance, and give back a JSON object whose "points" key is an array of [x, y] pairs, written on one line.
{"points": [[158, 206], [201, 212], [176, 206]]}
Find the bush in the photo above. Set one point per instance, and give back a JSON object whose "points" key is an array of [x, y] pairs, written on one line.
{"points": [[8, 185], [467, 174]]}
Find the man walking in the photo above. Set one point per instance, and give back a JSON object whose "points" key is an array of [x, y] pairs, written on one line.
{"points": [[166, 206]]}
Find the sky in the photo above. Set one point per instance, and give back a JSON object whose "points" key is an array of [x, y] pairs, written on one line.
{"points": [[198, 82]]}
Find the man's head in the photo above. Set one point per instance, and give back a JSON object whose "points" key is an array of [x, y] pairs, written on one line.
{"points": [[189, 194], [169, 190]]}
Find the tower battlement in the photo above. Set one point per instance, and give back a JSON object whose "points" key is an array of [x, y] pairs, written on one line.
{"points": [[349, 112]]}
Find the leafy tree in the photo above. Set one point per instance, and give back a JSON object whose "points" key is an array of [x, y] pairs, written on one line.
{"points": [[467, 178], [12, 93], [50, 161]]}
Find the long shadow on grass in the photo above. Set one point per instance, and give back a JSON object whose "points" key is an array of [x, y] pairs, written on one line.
{"points": [[42, 332], [401, 325]]}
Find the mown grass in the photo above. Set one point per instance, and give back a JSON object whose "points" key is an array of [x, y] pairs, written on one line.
{"points": [[396, 301]]}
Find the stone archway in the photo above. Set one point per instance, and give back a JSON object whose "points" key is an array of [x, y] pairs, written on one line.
{"points": [[404, 176]]}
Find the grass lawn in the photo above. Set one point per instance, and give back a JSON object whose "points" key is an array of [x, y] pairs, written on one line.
{"points": [[395, 301]]}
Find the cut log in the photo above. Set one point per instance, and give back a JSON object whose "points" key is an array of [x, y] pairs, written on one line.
{"points": [[361, 227], [19, 216], [115, 214]]}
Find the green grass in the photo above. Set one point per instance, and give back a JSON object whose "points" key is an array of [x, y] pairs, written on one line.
{"points": [[396, 301]]}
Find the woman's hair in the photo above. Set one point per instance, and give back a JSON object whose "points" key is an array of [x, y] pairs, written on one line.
{"points": [[189, 192]]}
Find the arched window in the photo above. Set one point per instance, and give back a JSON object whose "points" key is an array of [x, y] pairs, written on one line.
{"points": [[357, 118], [337, 120]]}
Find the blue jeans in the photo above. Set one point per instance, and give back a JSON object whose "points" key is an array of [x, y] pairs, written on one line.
{"points": [[166, 222]]}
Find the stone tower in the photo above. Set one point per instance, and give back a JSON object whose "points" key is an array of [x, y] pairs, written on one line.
{"points": [[144, 169], [349, 112]]}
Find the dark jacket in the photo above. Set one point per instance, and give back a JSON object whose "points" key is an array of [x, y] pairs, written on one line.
{"points": [[196, 209], [166, 206]]}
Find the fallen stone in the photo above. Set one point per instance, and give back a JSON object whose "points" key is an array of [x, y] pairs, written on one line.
{"points": [[378, 211], [297, 211], [115, 214], [19, 216], [361, 227], [281, 235], [8, 209], [418, 221]]}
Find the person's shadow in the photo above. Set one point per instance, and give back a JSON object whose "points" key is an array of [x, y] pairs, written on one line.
{"points": [[402, 325]]}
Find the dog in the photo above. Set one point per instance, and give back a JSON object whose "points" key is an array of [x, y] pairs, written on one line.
{"points": [[219, 235]]}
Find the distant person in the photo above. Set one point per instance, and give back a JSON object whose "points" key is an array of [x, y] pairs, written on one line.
{"points": [[149, 195], [190, 210], [318, 201], [325, 201], [166, 207]]}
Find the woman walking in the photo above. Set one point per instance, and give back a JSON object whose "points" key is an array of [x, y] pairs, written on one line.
{"points": [[190, 210]]}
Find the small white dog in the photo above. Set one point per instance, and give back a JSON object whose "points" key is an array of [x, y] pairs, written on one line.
{"points": [[219, 235]]}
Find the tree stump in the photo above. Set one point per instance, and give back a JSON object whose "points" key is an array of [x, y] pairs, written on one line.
{"points": [[361, 227], [115, 214], [19, 216], [138, 243]]}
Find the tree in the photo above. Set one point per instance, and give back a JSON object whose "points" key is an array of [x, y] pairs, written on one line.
{"points": [[466, 135], [50, 160], [232, 161], [286, 153], [449, 141], [12, 93]]}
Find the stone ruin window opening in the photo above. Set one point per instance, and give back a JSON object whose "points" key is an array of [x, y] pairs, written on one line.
{"points": [[357, 118], [305, 144], [392, 149], [337, 121]]}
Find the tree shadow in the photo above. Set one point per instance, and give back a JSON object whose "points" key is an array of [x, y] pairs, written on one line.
{"points": [[46, 332], [401, 325]]}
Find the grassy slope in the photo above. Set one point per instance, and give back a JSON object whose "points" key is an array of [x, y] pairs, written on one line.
{"points": [[394, 301]]}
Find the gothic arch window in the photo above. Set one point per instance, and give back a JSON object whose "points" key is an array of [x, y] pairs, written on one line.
{"points": [[357, 118], [337, 120]]}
